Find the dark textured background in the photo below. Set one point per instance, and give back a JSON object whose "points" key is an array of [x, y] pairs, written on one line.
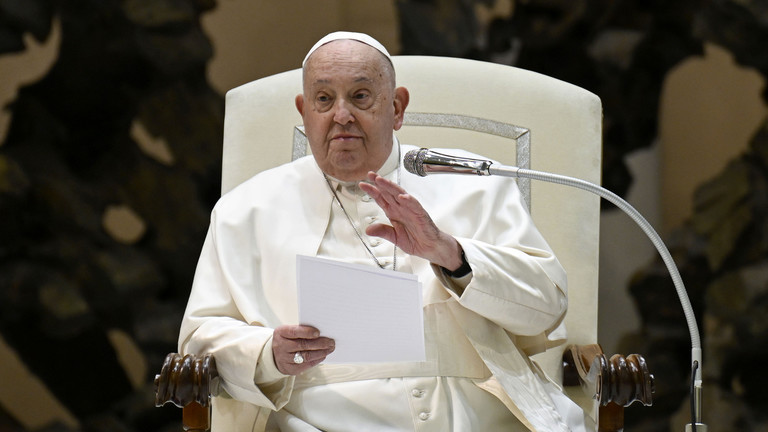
{"points": [[64, 281]]}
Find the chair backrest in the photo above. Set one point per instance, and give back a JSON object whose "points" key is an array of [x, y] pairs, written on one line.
{"points": [[524, 118]]}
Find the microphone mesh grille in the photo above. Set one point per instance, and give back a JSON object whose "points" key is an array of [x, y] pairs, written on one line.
{"points": [[414, 162]]}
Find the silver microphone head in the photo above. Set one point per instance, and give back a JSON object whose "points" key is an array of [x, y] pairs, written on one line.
{"points": [[424, 161], [414, 162]]}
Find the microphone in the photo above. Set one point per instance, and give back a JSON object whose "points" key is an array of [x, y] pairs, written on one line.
{"points": [[424, 161]]}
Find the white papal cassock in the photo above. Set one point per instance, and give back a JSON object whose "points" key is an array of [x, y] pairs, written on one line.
{"points": [[479, 329]]}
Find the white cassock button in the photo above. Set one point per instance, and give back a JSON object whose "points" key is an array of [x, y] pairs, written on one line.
{"points": [[417, 393], [424, 416], [375, 242], [366, 198]]}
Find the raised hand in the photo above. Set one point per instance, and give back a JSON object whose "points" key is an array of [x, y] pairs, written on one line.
{"points": [[412, 229]]}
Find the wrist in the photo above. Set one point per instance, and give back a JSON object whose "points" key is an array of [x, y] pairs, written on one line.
{"points": [[462, 270]]}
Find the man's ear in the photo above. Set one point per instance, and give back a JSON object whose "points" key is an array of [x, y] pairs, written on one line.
{"points": [[300, 104], [401, 103]]}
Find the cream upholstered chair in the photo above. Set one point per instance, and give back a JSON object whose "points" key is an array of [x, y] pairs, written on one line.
{"points": [[514, 116], [557, 126]]}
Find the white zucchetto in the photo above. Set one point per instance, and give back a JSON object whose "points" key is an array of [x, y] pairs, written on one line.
{"points": [[345, 35]]}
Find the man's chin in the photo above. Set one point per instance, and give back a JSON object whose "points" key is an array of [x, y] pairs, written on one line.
{"points": [[347, 166], [350, 176]]}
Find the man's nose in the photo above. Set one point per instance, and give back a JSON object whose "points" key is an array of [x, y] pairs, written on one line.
{"points": [[342, 114]]}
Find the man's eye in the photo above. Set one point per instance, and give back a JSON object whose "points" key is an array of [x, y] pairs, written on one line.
{"points": [[363, 100], [323, 102]]}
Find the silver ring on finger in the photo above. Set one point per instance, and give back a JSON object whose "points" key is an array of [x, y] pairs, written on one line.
{"points": [[298, 358]]}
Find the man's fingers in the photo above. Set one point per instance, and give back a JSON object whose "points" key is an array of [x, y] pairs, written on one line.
{"points": [[380, 230], [314, 357], [379, 187], [393, 199], [319, 344], [384, 191], [287, 341], [384, 184], [297, 332], [291, 339]]}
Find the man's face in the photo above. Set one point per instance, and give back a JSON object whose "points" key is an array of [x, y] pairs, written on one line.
{"points": [[350, 108]]}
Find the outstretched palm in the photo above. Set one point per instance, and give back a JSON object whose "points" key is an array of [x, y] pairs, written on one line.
{"points": [[412, 229]]}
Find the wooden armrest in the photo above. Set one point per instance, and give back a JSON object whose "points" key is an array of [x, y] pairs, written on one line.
{"points": [[615, 383], [188, 382]]}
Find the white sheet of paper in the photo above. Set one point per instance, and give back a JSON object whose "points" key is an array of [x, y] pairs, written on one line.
{"points": [[374, 315]]}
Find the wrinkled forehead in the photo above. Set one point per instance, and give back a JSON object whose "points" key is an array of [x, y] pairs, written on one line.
{"points": [[347, 59]]}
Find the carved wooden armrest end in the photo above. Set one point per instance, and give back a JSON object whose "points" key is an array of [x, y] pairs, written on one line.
{"points": [[187, 379], [615, 383], [188, 382]]}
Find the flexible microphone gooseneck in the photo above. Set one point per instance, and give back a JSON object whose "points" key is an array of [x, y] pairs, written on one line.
{"points": [[424, 161]]}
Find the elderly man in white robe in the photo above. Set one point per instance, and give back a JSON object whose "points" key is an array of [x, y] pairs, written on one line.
{"points": [[491, 283]]}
